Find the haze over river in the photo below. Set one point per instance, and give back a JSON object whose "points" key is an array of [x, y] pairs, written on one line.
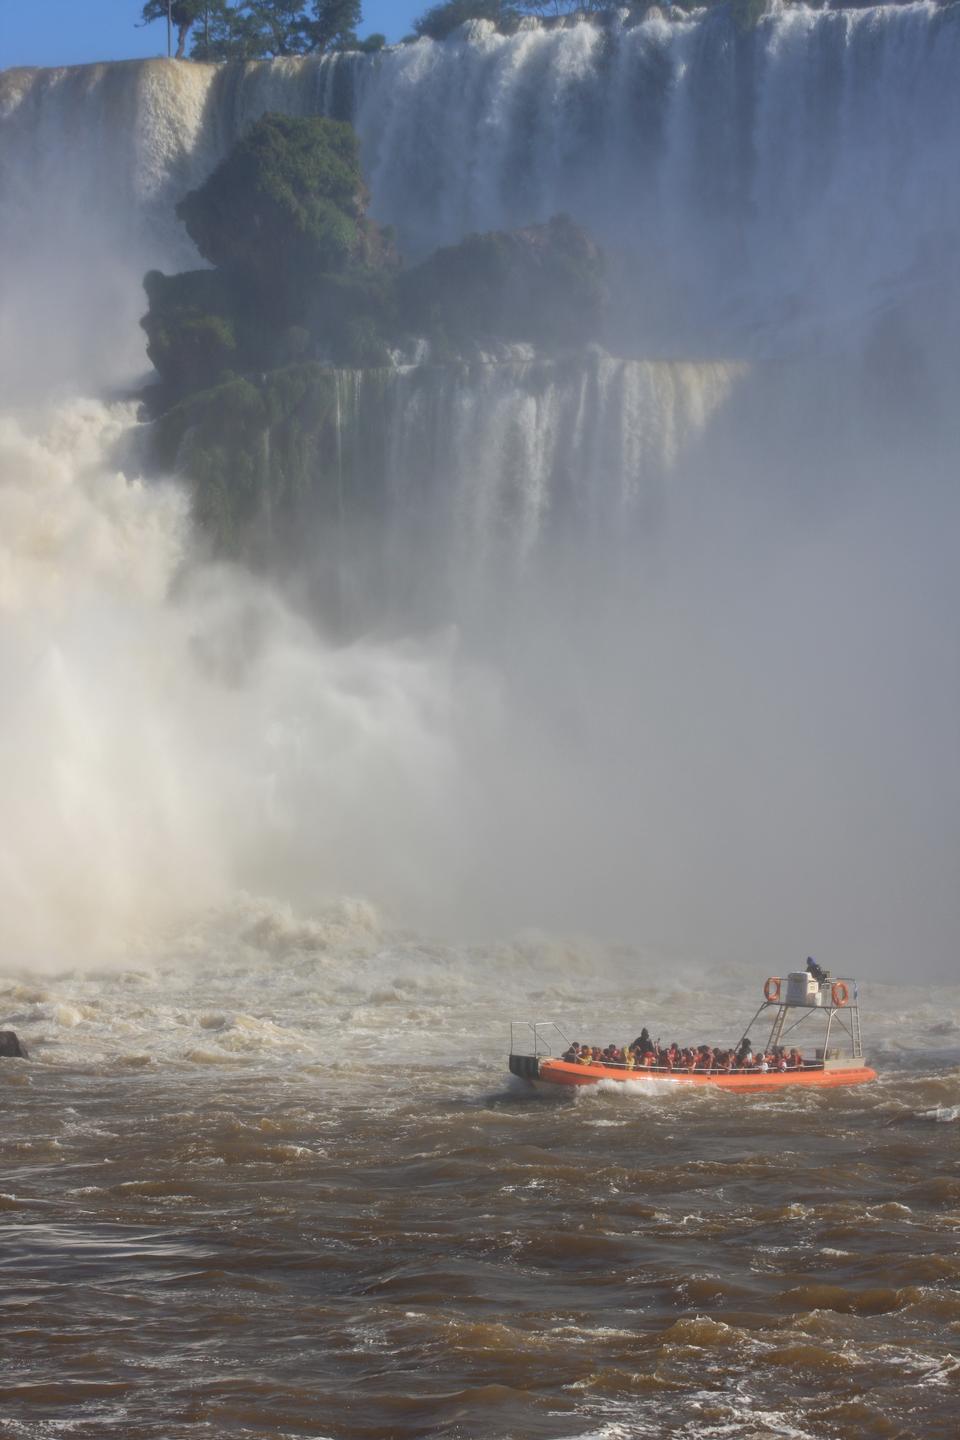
{"points": [[659, 648]]}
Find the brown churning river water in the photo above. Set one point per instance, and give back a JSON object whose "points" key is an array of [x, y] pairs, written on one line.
{"points": [[264, 1200]]}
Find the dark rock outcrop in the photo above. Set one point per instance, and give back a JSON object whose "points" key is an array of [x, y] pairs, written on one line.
{"points": [[545, 285], [10, 1046]]}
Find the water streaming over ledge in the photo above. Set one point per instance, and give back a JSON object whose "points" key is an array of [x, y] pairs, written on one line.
{"points": [[762, 183], [463, 478]]}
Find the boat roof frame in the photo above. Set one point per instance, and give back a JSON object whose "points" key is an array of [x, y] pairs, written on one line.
{"points": [[846, 1016]]}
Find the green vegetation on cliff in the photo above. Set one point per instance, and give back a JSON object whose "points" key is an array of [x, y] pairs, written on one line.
{"points": [[544, 284], [191, 327], [256, 449], [265, 29], [303, 285], [260, 29], [286, 205], [441, 20], [299, 269]]}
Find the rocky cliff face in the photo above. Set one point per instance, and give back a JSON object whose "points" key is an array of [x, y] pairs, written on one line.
{"points": [[760, 185], [771, 197]]}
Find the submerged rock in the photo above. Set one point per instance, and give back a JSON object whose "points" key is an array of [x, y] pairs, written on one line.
{"points": [[10, 1046]]}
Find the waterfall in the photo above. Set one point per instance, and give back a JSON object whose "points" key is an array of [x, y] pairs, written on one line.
{"points": [[452, 485], [760, 184], [690, 666], [788, 190]]}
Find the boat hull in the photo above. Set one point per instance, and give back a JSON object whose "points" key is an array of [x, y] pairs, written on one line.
{"points": [[547, 1074]]}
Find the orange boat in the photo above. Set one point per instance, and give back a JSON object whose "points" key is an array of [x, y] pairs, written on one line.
{"points": [[795, 999]]}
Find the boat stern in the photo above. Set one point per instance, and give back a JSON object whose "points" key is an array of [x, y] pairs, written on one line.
{"points": [[525, 1067]]}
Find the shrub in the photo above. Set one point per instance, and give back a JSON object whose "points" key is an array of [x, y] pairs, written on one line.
{"points": [[440, 20], [544, 284], [190, 327], [286, 206]]}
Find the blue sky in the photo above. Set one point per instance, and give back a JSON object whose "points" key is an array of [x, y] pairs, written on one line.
{"points": [[72, 32]]}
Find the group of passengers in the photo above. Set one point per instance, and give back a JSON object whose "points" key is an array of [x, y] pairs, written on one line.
{"points": [[647, 1054]]}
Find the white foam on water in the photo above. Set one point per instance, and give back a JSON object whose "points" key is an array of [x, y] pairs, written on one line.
{"points": [[942, 1114]]}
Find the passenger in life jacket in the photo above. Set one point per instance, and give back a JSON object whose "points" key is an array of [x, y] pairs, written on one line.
{"points": [[629, 1058]]}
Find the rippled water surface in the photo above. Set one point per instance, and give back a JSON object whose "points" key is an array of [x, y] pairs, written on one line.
{"points": [[294, 1194]]}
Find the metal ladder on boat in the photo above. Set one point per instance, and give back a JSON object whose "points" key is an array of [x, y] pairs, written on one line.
{"points": [[777, 1030], [855, 1024]]}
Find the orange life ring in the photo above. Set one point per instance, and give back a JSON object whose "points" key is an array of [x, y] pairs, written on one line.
{"points": [[771, 989], [839, 994]]}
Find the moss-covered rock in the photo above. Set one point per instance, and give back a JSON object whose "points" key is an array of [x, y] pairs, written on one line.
{"points": [[191, 328], [285, 208], [258, 452], [353, 316], [252, 355], [299, 272], [544, 284]]}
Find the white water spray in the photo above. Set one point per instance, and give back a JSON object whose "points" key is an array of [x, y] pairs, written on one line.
{"points": [[717, 596], [171, 733]]}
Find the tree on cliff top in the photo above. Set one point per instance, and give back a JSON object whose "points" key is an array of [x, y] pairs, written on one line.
{"points": [[440, 20], [332, 25], [257, 29], [183, 14]]}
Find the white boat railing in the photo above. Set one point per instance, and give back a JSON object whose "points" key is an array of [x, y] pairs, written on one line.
{"points": [[534, 1027]]}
